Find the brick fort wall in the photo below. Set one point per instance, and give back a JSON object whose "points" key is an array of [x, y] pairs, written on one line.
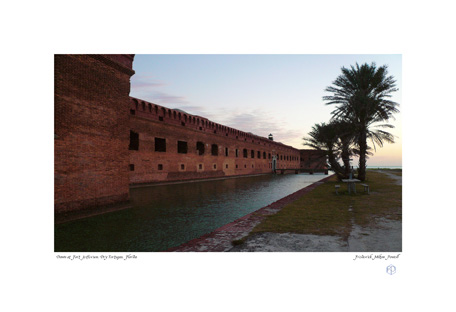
{"points": [[91, 130], [170, 145]]}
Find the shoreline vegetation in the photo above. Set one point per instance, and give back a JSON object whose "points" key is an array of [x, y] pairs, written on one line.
{"points": [[322, 212]]}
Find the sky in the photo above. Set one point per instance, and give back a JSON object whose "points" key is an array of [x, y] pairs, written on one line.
{"points": [[259, 93]]}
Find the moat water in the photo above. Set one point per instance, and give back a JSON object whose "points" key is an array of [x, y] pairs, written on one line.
{"points": [[169, 215]]}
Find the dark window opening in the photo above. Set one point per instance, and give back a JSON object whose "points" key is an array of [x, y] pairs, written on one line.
{"points": [[214, 150], [245, 166], [215, 166], [183, 124], [134, 141], [252, 154], [201, 128], [182, 147], [237, 153], [264, 155], [200, 148], [132, 112], [269, 155], [252, 165], [160, 118], [160, 145], [226, 151], [258, 154], [200, 166], [160, 167], [245, 153], [226, 166], [215, 131], [226, 134], [237, 166], [132, 167], [182, 167]]}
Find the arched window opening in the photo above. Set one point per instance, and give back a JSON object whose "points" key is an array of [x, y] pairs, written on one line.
{"points": [[160, 145], [200, 148], [134, 141], [214, 150], [182, 147]]}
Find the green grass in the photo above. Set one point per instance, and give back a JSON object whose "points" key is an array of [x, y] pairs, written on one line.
{"points": [[322, 212]]}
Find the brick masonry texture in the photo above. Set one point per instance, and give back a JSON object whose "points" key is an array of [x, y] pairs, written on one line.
{"points": [[106, 140], [91, 130]]}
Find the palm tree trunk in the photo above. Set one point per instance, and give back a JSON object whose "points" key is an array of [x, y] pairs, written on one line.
{"points": [[346, 159], [362, 156], [335, 166]]}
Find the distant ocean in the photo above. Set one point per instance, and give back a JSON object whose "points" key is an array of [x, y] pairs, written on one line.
{"points": [[383, 167], [380, 167]]}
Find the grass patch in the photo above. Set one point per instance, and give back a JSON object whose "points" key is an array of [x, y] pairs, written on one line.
{"points": [[322, 212]]}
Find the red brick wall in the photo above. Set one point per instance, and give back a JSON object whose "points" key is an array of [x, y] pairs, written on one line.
{"points": [[91, 130], [145, 119]]}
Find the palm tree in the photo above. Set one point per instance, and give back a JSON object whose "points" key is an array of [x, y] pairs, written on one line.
{"points": [[362, 93], [335, 139]]}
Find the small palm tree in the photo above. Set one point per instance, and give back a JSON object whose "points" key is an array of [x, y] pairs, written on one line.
{"points": [[335, 139], [362, 93]]}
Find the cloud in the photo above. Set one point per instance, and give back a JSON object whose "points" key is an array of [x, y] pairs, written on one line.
{"points": [[165, 98], [261, 123], [146, 84], [141, 82], [146, 87]]}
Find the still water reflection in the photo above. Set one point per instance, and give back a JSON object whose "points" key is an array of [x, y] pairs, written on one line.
{"points": [[169, 215]]}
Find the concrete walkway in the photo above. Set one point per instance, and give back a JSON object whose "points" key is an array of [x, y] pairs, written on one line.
{"points": [[385, 236], [396, 178]]}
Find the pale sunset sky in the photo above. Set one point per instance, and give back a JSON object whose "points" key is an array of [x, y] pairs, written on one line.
{"points": [[259, 93]]}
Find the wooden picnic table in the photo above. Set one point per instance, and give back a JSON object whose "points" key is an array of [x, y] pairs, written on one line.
{"points": [[351, 183]]}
